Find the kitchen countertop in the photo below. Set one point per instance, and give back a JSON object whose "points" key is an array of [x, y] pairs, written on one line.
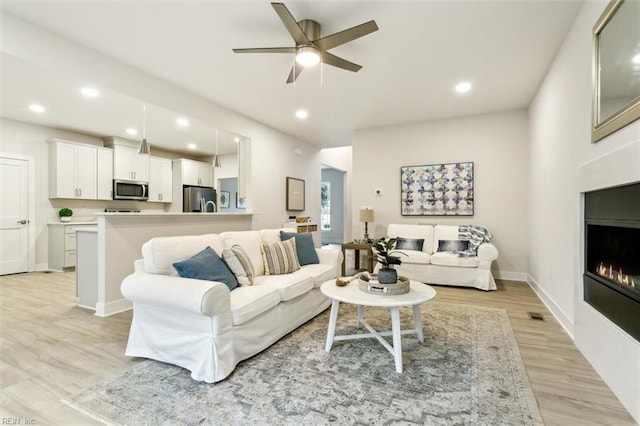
{"points": [[57, 222]]}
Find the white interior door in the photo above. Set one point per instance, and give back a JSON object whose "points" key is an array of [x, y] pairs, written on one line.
{"points": [[14, 215]]}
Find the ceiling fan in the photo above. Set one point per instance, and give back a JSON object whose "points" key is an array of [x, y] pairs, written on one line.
{"points": [[310, 48]]}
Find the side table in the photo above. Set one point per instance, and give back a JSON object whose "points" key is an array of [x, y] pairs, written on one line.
{"points": [[357, 247]]}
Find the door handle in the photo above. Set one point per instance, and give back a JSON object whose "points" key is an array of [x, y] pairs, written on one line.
{"points": [[23, 222]]}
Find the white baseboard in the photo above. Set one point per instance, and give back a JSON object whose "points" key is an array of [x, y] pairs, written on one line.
{"points": [[555, 310], [42, 267], [510, 275], [112, 308]]}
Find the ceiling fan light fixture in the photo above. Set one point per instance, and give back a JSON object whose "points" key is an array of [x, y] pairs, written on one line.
{"points": [[307, 56]]}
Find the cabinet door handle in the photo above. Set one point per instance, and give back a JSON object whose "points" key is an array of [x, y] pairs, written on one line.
{"points": [[23, 222]]}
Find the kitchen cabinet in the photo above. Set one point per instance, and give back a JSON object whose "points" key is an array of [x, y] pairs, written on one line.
{"points": [[72, 170], [62, 244], [87, 267], [104, 174], [197, 173], [127, 163], [160, 180]]}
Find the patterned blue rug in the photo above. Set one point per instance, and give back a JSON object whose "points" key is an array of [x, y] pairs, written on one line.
{"points": [[467, 372]]}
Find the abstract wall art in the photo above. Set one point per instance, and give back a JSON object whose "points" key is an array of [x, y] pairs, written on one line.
{"points": [[437, 190]]}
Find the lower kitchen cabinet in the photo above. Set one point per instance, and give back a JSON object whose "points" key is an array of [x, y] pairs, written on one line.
{"points": [[62, 244]]}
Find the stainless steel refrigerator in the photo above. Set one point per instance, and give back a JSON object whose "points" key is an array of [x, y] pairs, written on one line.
{"points": [[199, 199]]}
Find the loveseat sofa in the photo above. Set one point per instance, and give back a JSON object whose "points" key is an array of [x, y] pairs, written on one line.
{"points": [[204, 326], [445, 254]]}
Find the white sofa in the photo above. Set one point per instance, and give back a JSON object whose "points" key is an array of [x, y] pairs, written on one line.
{"points": [[202, 325], [446, 268]]}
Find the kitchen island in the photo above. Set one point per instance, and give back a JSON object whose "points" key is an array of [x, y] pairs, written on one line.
{"points": [[120, 237]]}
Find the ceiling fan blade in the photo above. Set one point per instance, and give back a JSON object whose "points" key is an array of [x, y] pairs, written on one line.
{"points": [[290, 23], [296, 69], [346, 36], [266, 50], [335, 61]]}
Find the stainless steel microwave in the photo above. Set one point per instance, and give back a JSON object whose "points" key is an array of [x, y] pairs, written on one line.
{"points": [[130, 190]]}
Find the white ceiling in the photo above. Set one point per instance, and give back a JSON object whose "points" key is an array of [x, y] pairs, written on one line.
{"points": [[410, 66]]}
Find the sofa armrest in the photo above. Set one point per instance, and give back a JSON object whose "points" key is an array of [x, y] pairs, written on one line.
{"points": [[330, 257], [487, 252], [197, 296]]}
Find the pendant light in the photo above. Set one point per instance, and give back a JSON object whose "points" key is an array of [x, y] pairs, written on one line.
{"points": [[144, 145], [216, 158]]}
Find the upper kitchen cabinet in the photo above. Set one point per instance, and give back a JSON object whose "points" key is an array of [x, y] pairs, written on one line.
{"points": [[76, 172], [195, 172], [127, 163], [160, 180]]}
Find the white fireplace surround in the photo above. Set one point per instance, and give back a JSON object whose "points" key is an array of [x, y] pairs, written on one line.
{"points": [[613, 353]]}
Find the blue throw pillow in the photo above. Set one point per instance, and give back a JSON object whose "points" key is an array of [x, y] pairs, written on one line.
{"points": [[207, 265], [409, 243], [305, 249]]}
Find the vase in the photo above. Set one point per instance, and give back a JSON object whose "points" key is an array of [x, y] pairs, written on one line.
{"points": [[65, 219], [387, 276]]}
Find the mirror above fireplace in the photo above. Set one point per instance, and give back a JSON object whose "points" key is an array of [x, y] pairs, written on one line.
{"points": [[616, 68]]}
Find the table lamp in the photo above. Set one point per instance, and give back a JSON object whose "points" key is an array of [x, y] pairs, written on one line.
{"points": [[366, 216]]}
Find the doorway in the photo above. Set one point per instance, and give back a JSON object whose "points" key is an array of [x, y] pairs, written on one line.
{"points": [[332, 206], [17, 227]]}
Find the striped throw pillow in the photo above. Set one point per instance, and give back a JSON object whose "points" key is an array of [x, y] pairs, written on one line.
{"points": [[240, 264], [280, 258]]}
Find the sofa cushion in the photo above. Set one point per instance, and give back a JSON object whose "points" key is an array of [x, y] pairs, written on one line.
{"points": [[319, 273], [250, 242], [402, 230], [444, 233], [446, 258], [305, 249], [207, 265], [160, 253], [240, 264], [452, 245], [414, 257], [289, 286], [409, 243], [248, 302], [280, 258], [270, 235]]}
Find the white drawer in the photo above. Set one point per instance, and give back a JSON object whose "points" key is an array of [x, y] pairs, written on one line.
{"points": [[70, 241], [68, 229], [69, 258]]}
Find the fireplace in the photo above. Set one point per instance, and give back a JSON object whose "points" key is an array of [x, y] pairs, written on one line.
{"points": [[612, 255]]}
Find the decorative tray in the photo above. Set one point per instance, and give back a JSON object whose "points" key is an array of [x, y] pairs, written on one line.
{"points": [[402, 286]]}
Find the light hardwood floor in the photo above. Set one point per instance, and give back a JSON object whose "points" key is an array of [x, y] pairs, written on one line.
{"points": [[51, 349]]}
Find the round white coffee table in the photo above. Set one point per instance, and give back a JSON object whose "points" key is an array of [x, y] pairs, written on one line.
{"points": [[418, 294]]}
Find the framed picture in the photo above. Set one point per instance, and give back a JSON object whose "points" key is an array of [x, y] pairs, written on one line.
{"points": [[295, 194], [240, 202], [224, 199], [437, 190]]}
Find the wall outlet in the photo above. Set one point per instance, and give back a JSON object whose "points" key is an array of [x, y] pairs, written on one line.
{"points": [[378, 192]]}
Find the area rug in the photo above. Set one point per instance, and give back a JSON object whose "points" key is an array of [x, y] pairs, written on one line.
{"points": [[468, 371]]}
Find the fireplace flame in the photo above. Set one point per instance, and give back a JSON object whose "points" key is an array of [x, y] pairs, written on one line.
{"points": [[615, 274]]}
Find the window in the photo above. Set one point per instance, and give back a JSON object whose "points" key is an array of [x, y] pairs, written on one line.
{"points": [[325, 206]]}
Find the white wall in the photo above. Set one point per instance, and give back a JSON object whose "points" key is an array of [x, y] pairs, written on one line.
{"points": [[495, 143], [564, 163]]}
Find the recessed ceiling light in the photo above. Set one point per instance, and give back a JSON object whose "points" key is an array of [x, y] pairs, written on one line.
{"points": [[131, 131], [36, 108], [90, 92], [636, 59], [463, 87], [236, 139], [302, 114], [182, 122], [192, 146]]}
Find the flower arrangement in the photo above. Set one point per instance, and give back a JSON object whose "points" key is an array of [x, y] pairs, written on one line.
{"points": [[65, 214]]}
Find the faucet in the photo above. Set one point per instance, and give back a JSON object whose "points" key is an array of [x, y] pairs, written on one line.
{"points": [[214, 208]]}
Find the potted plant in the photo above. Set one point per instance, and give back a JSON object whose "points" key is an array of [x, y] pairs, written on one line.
{"points": [[385, 255], [65, 214]]}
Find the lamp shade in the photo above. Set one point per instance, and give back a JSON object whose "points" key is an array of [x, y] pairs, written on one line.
{"points": [[366, 215]]}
